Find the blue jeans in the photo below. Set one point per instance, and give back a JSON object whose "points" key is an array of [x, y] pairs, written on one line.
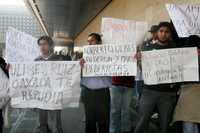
{"points": [[189, 127], [120, 109], [139, 87]]}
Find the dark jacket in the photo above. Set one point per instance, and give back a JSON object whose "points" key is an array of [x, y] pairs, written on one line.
{"points": [[3, 66]]}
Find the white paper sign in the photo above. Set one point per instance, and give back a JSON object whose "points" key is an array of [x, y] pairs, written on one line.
{"points": [[109, 60], [20, 46], [45, 85], [170, 65], [186, 19], [119, 31], [4, 90]]}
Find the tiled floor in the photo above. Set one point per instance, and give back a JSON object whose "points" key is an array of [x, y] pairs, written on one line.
{"points": [[25, 121]]}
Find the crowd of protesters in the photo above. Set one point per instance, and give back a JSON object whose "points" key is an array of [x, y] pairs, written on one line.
{"points": [[107, 100]]}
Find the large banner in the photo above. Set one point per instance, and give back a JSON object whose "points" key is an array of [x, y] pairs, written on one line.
{"points": [[186, 19], [45, 85], [119, 31], [4, 90], [20, 46], [109, 60], [170, 65]]}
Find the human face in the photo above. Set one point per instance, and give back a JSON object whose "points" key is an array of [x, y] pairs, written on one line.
{"points": [[164, 34], [92, 40], [44, 47]]}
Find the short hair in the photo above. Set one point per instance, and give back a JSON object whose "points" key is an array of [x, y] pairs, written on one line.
{"points": [[165, 24], [97, 37], [46, 38], [49, 41]]}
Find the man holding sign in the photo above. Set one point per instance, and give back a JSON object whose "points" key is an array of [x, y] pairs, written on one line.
{"points": [[96, 97], [162, 96], [46, 48]]}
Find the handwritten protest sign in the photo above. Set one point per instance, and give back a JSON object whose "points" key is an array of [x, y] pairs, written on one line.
{"points": [[119, 31], [170, 65], [186, 19], [109, 60], [4, 91], [20, 46], [45, 85]]}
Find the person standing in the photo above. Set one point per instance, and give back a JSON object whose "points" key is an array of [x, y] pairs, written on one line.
{"points": [[187, 109], [121, 96], [139, 83], [96, 97], [4, 67], [46, 46], [160, 96]]}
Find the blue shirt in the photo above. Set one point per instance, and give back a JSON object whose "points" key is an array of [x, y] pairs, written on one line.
{"points": [[95, 83]]}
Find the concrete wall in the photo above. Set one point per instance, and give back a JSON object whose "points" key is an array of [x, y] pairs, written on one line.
{"points": [[152, 11]]}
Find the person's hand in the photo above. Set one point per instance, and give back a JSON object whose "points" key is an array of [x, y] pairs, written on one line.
{"points": [[7, 66], [138, 56], [82, 62]]}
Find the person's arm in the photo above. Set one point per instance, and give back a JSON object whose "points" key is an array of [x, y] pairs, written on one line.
{"points": [[82, 62], [139, 57]]}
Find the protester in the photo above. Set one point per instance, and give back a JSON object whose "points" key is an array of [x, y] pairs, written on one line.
{"points": [[4, 67], [160, 96], [188, 107], [121, 96], [49, 120], [153, 31], [96, 97], [139, 79]]}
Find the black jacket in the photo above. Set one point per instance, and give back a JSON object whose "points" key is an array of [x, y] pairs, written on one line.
{"points": [[3, 66]]}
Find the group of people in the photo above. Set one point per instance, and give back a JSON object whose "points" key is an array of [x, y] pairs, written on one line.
{"points": [[107, 100]]}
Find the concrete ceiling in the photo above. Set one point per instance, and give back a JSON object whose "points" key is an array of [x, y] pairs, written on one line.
{"points": [[65, 19]]}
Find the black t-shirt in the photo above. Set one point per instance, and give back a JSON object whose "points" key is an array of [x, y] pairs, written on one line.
{"points": [[172, 87]]}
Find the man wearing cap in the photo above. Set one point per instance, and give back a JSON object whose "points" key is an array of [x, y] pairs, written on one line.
{"points": [[153, 32], [160, 96], [139, 79]]}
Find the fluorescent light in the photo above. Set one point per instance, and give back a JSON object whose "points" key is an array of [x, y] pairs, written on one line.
{"points": [[12, 2]]}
